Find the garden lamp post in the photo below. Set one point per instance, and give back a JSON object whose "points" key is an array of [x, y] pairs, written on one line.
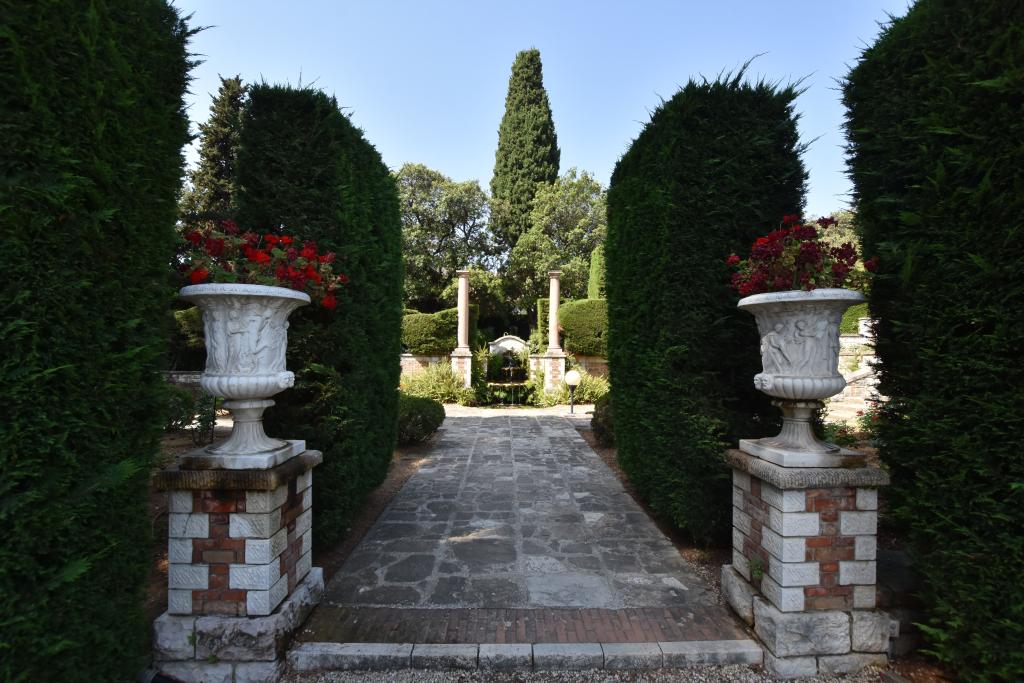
{"points": [[572, 378]]}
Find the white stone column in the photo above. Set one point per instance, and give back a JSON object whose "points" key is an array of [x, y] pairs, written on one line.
{"points": [[554, 294], [463, 340], [462, 356], [554, 361]]}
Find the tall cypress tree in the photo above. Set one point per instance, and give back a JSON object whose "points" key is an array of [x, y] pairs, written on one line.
{"points": [[527, 150], [213, 190]]}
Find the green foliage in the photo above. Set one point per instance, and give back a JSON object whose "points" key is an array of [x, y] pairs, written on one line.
{"points": [[585, 326], [850, 323], [595, 279], [717, 166], [567, 222], [303, 167], [435, 333], [527, 151], [94, 124], [601, 423], [187, 346], [937, 159], [439, 382], [212, 193], [590, 389], [488, 297], [180, 408], [444, 229], [418, 418]]}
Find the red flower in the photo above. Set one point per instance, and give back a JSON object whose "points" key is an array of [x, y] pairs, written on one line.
{"points": [[286, 240], [791, 218], [262, 257], [194, 237], [732, 260], [198, 275], [329, 302], [308, 250], [229, 226], [327, 258], [252, 238], [214, 247], [871, 265], [293, 253], [271, 240], [343, 279]]}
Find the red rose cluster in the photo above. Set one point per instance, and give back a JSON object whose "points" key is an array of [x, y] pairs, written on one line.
{"points": [[225, 254], [794, 257]]}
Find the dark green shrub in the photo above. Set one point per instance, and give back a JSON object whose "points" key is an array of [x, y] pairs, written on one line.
{"points": [[418, 418], [304, 166], [717, 166], [94, 124], [435, 333], [937, 159], [180, 408], [850, 323], [585, 326], [601, 423]]}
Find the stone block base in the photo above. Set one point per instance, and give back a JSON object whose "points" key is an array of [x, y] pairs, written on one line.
{"points": [[208, 649], [810, 642], [462, 366], [552, 364]]}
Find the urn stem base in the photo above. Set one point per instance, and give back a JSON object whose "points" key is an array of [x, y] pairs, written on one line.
{"points": [[796, 445], [248, 446]]}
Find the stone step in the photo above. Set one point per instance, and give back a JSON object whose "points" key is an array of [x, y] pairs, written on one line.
{"points": [[320, 656]]}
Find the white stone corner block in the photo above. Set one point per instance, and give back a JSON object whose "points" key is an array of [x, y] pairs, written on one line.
{"points": [[179, 550], [188, 576], [865, 597], [737, 539], [263, 602], [265, 550], [179, 601], [265, 501], [738, 593], [304, 481], [794, 573], [785, 599], [307, 542], [861, 573], [797, 634], [870, 630], [307, 498], [741, 564], [737, 497], [741, 520], [188, 525], [786, 548], [867, 499], [254, 576], [303, 565], [741, 480], [303, 522], [174, 637], [858, 523], [786, 501], [179, 501], [865, 548], [254, 524], [790, 667], [793, 523]]}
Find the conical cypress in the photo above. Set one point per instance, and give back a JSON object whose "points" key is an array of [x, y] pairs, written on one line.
{"points": [[213, 190], [527, 150]]}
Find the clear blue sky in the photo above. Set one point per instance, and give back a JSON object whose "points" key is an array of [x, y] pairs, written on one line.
{"points": [[426, 80]]}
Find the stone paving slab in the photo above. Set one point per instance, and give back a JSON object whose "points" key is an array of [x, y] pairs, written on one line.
{"points": [[514, 511]]}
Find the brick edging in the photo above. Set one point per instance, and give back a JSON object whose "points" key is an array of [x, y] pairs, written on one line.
{"points": [[322, 656]]}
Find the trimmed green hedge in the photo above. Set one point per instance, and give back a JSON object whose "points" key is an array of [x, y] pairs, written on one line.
{"points": [[850, 323], [94, 124], [418, 418], [595, 283], [304, 166], [717, 166], [435, 333], [937, 159], [585, 325]]}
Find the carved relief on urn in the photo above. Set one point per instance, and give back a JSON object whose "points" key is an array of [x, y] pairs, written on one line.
{"points": [[800, 366]]}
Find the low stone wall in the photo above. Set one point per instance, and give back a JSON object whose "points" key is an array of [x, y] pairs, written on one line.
{"points": [[413, 364], [596, 366], [183, 378]]}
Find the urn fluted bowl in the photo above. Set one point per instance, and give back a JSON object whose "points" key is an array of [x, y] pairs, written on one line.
{"points": [[246, 330], [800, 341]]}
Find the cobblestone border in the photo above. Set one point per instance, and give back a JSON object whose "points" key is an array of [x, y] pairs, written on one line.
{"points": [[311, 657]]}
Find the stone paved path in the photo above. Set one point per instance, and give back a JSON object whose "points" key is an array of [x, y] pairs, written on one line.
{"points": [[511, 513]]}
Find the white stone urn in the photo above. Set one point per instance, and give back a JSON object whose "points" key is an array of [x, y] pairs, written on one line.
{"points": [[800, 367], [246, 331]]}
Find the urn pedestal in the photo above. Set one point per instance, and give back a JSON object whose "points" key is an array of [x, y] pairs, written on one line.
{"points": [[800, 367]]}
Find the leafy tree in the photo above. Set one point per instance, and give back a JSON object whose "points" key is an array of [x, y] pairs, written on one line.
{"points": [[567, 222], [213, 188], [444, 229], [595, 282], [527, 150]]}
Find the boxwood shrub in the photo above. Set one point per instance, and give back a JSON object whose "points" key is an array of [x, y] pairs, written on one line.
{"points": [[304, 166], [937, 160], [435, 333], [94, 124], [717, 165], [418, 418], [850, 323], [585, 327]]}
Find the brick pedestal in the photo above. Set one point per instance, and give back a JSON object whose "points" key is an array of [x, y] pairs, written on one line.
{"points": [[240, 576], [803, 570], [462, 366]]}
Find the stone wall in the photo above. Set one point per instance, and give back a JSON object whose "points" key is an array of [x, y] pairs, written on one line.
{"points": [[593, 365], [414, 364]]}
